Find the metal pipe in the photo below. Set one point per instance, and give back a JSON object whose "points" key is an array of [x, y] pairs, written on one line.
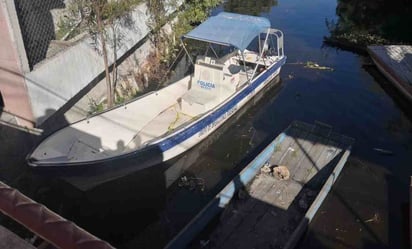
{"points": [[244, 66], [187, 52], [261, 54], [50, 226]]}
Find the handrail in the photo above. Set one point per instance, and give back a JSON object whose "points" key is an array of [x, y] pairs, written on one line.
{"points": [[53, 228]]}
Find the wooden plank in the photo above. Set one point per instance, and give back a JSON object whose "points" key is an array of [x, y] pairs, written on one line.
{"points": [[310, 156], [297, 234], [395, 62], [261, 195], [399, 58], [245, 209], [307, 147], [274, 208], [263, 198], [292, 214]]}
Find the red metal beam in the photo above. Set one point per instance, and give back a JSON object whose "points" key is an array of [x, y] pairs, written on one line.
{"points": [[45, 223]]}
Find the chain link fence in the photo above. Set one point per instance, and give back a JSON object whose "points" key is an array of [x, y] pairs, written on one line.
{"points": [[37, 26]]}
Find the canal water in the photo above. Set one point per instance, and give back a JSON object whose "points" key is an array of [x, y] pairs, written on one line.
{"points": [[368, 207]]}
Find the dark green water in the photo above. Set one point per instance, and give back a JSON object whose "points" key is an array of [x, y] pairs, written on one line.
{"points": [[368, 206]]}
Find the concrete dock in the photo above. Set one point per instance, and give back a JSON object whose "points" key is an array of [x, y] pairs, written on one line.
{"points": [[395, 62], [10, 240]]}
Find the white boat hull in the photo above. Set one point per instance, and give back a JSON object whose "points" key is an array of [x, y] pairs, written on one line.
{"points": [[184, 138]]}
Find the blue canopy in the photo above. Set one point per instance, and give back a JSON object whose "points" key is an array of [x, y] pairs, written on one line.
{"points": [[230, 29]]}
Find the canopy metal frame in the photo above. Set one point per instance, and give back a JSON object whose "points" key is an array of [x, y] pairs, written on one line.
{"points": [[255, 25]]}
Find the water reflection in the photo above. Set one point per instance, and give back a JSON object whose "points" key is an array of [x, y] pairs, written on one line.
{"points": [[364, 22], [249, 7]]}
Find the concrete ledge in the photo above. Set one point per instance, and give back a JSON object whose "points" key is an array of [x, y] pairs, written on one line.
{"points": [[10, 240]]}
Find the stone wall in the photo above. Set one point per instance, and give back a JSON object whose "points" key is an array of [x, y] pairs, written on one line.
{"points": [[56, 80]]}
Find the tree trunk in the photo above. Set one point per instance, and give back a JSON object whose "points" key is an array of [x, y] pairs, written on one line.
{"points": [[114, 71], [109, 89]]}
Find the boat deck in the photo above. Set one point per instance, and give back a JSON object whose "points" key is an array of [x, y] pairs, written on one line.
{"points": [[395, 62], [166, 121], [267, 212]]}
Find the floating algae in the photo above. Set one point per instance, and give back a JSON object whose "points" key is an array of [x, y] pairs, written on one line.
{"points": [[313, 65]]}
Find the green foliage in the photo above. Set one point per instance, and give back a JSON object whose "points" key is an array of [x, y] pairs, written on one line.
{"points": [[112, 10], [119, 100], [157, 14], [95, 107], [196, 11], [64, 27], [192, 13], [68, 26], [249, 7], [363, 22]]}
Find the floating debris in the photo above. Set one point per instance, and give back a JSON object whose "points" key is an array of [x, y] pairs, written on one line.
{"points": [[191, 183], [204, 243], [266, 169], [313, 65], [375, 218], [383, 151], [281, 172]]}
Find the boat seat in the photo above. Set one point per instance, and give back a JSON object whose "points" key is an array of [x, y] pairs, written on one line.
{"points": [[204, 93], [196, 102]]}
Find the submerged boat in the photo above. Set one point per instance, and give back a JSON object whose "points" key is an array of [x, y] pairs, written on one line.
{"points": [[270, 203], [243, 54]]}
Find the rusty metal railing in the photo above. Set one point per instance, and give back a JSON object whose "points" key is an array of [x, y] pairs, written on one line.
{"points": [[50, 226]]}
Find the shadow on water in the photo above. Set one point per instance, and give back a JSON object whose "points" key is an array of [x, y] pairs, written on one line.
{"points": [[362, 225], [15, 145], [120, 205], [401, 100], [362, 23], [113, 211], [248, 7]]}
